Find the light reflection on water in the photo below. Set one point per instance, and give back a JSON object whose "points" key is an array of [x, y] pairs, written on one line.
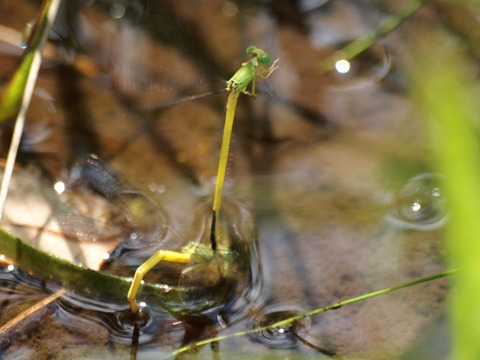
{"points": [[366, 69]]}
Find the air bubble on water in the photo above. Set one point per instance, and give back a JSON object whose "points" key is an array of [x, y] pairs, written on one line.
{"points": [[284, 336], [420, 203], [158, 188], [117, 10]]}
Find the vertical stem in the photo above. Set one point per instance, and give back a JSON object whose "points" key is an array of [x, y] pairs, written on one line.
{"points": [[444, 88], [31, 63]]}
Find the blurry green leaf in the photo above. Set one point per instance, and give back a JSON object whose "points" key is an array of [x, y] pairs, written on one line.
{"points": [[443, 88]]}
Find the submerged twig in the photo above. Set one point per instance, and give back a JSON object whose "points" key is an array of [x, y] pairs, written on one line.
{"points": [[10, 326]]}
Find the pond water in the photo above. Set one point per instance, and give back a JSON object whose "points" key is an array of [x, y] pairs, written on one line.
{"points": [[329, 191]]}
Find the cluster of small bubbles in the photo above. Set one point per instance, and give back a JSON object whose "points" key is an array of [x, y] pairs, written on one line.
{"points": [[228, 183], [283, 336], [420, 201], [158, 188]]}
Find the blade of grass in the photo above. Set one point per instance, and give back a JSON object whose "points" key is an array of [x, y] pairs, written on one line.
{"points": [[444, 89], [356, 47], [291, 320], [16, 98]]}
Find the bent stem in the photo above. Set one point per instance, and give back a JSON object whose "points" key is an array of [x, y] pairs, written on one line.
{"points": [[289, 321]]}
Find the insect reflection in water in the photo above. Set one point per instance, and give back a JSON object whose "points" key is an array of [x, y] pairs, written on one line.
{"points": [[208, 275]]}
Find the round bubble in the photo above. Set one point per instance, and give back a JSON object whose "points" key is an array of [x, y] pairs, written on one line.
{"points": [[420, 203], [280, 337]]}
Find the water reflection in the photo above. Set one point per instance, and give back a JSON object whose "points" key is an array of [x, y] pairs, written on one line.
{"points": [[17, 285], [39, 134], [340, 73], [147, 222], [342, 66]]}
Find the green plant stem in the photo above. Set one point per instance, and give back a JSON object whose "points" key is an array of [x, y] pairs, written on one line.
{"points": [[289, 321], [443, 86], [358, 46], [16, 98]]}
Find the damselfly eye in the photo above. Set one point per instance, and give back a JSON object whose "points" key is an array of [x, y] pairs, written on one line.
{"points": [[264, 59]]}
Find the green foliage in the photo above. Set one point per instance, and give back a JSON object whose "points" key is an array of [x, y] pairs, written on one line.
{"points": [[21, 85], [443, 88]]}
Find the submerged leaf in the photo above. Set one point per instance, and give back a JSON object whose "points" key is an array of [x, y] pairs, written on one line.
{"points": [[83, 281], [18, 92]]}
